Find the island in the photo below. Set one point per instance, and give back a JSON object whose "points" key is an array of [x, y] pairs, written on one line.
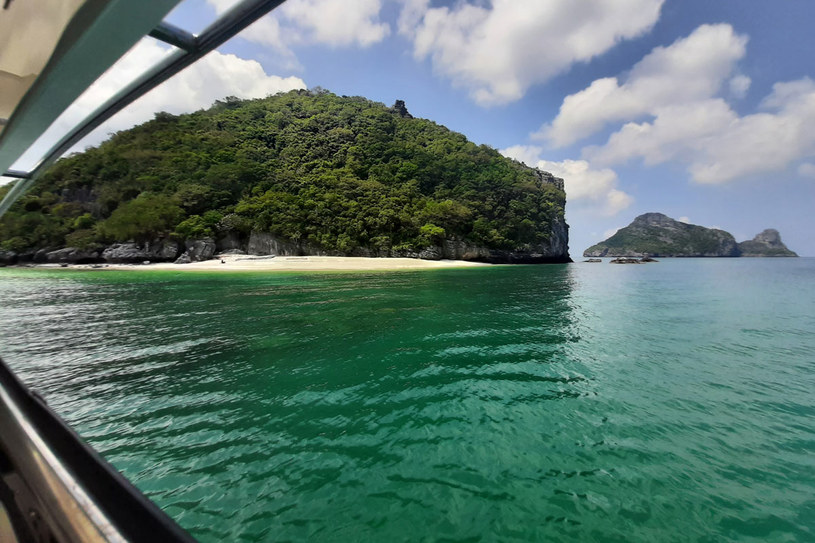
{"points": [[657, 235], [300, 173], [767, 243]]}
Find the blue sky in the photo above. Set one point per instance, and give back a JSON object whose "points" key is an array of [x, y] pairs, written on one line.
{"points": [[699, 109]]}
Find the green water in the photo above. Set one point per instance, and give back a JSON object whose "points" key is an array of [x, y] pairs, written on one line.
{"points": [[587, 402]]}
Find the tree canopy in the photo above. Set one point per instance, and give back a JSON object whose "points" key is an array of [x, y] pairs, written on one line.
{"points": [[338, 172]]}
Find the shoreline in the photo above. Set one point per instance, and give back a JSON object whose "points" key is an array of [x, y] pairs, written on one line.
{"points": [[232, 263]]}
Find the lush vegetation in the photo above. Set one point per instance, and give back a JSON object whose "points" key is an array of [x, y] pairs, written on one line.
{"points": [[657, 235], [755, 248], [337, 172]]}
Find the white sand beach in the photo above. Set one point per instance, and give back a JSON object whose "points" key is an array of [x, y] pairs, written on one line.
{"points": [[290, 263]]}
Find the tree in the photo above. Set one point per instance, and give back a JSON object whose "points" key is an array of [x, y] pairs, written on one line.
{"points": [[147, 217]]}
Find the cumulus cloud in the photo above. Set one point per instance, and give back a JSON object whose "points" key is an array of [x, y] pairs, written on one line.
{"points": [[336, 23], [690, 69], [807, 169], [739, 86], [265, 31], [499, 49], [330, 22], [215, 76], [672, 107], [585, 186], [715, 142]]}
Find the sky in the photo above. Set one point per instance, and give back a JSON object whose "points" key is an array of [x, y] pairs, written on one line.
{"points": [[702, 110]]}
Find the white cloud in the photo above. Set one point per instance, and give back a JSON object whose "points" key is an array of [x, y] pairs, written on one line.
{"points": [[499, 49], [673, 109], [739, 85], [691, 69], [215, 76], [585, 186], [716, 144], [684, 219], [265, 31], [411, 16], [336, 23], [330, 22], [610, 232], [678, 132], [807, 169]]}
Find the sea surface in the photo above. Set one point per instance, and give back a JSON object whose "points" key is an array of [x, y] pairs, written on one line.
{"points": [[672, 401]]}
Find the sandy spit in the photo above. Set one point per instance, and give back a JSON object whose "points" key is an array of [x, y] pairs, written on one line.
{"points": [[286, 263]]}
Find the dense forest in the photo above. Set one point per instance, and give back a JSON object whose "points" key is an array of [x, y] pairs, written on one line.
{"points": [[337, 172]]}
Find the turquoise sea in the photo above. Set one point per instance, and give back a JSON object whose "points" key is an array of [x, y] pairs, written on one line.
{"points": [[672, 401]]}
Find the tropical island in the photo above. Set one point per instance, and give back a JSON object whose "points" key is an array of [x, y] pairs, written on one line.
{"points": [[657, 235], [300, 173]]}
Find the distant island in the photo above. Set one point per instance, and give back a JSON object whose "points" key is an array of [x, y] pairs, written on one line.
{"points": [[655, 234], [300, 173]]}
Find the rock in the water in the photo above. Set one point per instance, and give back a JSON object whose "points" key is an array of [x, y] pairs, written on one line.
{"points": [[767, 243]]}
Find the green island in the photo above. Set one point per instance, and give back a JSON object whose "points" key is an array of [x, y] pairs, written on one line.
{"points": [[655, 234], [300, 173]]}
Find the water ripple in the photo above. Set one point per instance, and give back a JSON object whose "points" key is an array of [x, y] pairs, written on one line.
{"points": [[568, 403]]}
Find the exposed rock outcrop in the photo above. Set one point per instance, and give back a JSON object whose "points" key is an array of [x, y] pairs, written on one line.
{"points": [[555, 250], [131, 252], [72, 255], [767, 243], [263, 243], [400, 109], [197, 250], [7, 258]]}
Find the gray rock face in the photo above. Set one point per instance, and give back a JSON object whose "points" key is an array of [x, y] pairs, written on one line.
{"points": [[124, 252], [72, 255], [131, 252], [548, 178], [183, 259], [556, 250], [7, 258], [229, 242], [767, 243], [166, 250], [262, 243], [200, 249], [197, 250], [400, 109]]}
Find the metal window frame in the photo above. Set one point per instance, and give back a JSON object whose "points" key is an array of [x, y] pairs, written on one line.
{"points": [[190, 49]]}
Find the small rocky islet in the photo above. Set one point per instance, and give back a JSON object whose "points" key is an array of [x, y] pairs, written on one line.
{"points": [[657, 235]]}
